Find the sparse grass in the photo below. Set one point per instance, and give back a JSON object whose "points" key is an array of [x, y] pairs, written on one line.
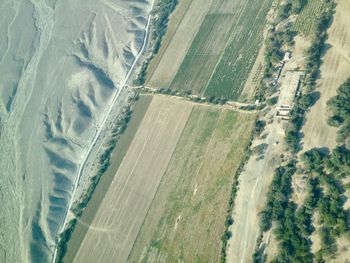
{"points": [[184, 223]]}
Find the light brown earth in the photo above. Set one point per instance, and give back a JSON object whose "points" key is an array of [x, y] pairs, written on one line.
{"points": [[120, 216], [183, 27], [334, 71]]}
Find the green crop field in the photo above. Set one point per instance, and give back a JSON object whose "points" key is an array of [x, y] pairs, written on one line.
{"points": [[307, 19], [239, 56], [224, 50], [204, 53]]}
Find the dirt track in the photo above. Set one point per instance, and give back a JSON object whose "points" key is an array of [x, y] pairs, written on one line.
{"points": [[120, 216]]}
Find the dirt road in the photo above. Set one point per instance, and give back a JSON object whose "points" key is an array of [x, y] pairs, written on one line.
{"points": [[253, 185]]}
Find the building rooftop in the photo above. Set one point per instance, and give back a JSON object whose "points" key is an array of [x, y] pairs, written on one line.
{"points": [[288, 89]]}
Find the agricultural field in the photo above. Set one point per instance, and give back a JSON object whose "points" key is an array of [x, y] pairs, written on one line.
{"points": [[237, 60], [116, 223], [186, 218], [177, 173], [307, 19], [216, 61], [101, 189], [202, 57], [183, 26]]}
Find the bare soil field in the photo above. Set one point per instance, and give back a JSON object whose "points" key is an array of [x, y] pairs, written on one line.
{"points": [[119, 217], [186, 218], [334, 71]]}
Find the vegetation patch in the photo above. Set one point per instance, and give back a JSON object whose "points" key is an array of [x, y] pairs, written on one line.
{"points": [[340, 110], [329, 170], [294, 244]]}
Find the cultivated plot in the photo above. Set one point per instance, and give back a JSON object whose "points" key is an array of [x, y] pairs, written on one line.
{"points": [[217, 61], [183, 26], [201, 58], [236, 62]]}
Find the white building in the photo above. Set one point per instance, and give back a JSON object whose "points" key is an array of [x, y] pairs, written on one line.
{"points": [[289, 86]]}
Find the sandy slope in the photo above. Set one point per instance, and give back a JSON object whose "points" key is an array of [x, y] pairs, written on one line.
{"points": [[61, 62]]}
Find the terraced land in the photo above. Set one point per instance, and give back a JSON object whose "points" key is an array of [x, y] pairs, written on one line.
{"points": [[217, 61], [168, 199], [306, 21]]}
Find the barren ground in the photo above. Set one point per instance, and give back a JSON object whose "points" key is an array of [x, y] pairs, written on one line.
{"points": [[61, 63], [254, 183]]}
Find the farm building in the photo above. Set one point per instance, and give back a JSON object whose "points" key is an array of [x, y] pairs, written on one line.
{"points": [[289, 87]]}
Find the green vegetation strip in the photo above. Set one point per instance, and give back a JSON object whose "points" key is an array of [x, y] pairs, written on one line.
{"points": [[72, 237]]}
